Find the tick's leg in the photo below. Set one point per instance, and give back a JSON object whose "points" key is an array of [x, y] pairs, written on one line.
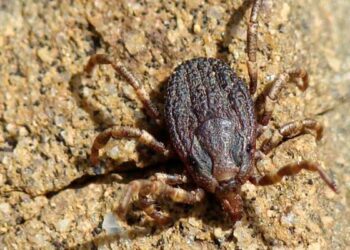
{"points": [[130, 78], [126, 132], [290, 170], [149, 207], [260, 129], [291, 130], [259, 155], [299, 76], [154, 187], [252, 45], [174, 179]]}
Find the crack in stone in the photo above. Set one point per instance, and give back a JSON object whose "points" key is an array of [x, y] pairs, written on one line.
{"points": [[338, 104]]}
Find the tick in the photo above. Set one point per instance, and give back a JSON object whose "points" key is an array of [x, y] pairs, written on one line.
{"points": [[213, 124]]}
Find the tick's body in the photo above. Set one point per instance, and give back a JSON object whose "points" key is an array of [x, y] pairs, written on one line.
{"points": [[212, 125], [210, 118]]}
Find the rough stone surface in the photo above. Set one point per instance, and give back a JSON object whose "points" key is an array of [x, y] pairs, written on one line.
{"points": [[50, 113]]}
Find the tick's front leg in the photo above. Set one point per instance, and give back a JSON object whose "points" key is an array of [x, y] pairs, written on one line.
{"points": [[157, 186], [148, 205]]}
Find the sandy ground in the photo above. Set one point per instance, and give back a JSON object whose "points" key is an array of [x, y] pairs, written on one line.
{"points": [[50, 112]]}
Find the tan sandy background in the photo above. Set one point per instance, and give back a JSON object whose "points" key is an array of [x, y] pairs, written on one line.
{"points": [[50, 196]]}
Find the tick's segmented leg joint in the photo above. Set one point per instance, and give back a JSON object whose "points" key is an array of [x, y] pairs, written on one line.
{"points": [[291, 130], [157, 186], [293, 169], [298, 76], [252, 44], [120, 132]]}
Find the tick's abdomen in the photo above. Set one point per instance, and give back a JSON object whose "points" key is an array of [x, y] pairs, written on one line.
{"points": [[210, 118]]}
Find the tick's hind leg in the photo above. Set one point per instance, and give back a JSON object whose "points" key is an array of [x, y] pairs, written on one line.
{"points": [[252, 44], [157, 186], [119, 132], [265, 109], [293, 169], [130, 78], [291, 130]]}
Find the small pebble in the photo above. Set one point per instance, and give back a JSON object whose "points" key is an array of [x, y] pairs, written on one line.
{"points": [[110, 224]]}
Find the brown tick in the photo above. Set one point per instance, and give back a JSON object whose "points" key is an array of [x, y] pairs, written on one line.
{"points": [[213, 124]]}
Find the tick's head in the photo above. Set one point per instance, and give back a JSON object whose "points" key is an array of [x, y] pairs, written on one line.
{"points": [[233, 206], [222, 147], [221, 161], [228, 193]]}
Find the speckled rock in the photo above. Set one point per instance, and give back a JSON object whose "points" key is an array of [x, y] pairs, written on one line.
{"points": [[50, 112]]}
